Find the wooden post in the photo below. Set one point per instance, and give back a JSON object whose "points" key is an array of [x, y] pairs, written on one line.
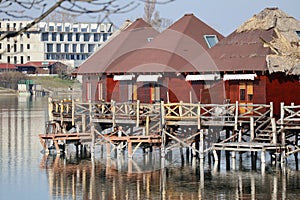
{"points": [[73, 112], [168, 97], [236, 115], [282, 132], [113, 110], [180, 108], [191, 99], [129, 149], [271, 109], [252, 133], [147, 124], [50, 109], [274, 131], [107, 149], [233, 156], [93, 140], [83, 121], [61, 112], [263, 156], [216, 158], [199, 116], [90, 111], [138, 113], [201, 144]]}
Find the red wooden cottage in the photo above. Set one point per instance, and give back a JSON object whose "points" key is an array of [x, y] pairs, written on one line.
{"points": [[98, 84], [260, 61], [166, 67]]}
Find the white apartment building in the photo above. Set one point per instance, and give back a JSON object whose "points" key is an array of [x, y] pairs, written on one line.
{"points": [[51, 41]]}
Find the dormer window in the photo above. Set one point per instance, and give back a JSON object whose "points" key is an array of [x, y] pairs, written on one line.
{"points": [[298, 33], [211, 40], [150, 39]]}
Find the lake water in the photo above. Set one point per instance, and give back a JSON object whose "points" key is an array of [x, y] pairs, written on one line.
{"points": [[26, 173]]}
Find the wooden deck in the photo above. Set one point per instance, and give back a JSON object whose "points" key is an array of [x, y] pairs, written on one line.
{"points": [[263, 132]]}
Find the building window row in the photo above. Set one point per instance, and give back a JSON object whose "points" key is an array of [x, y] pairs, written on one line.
{"points": [[53, 56], [84, 28], [78, 37], [66, 48]]}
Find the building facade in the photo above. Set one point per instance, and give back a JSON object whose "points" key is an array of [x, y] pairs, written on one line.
{"points": [[51, 41]]}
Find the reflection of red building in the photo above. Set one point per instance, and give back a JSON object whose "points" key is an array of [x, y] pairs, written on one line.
{"points": [[257, 63], [156, 68]]}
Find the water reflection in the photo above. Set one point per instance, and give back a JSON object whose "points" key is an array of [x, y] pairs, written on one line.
{"points": [[25, 173]]}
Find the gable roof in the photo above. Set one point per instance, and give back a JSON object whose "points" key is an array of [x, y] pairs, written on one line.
{"points": [[266, 42], [180, 48], [133, 37]]}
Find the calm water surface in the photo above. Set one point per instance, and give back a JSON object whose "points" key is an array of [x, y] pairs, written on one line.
{"points": [[25, 173]]}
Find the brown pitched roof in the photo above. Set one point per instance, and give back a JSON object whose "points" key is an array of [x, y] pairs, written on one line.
{"points": [[242, 51], [180, 48], [265, 42], [133, 37]]}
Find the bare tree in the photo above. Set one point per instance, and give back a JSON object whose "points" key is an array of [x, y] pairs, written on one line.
{"points": [[60, 16], [43, 8], [153, 17], [149, 9]]}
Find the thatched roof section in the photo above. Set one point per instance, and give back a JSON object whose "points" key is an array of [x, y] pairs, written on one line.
{"points": [[285, 46]]}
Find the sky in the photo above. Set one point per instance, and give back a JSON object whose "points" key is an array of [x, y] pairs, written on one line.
{"points": [[223, 15]]}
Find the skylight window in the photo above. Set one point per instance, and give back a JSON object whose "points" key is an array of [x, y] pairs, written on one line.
{"points": [[298, 33], [211, 40]]}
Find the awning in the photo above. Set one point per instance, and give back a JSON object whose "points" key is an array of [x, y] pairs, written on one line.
{"points": [[202, 77], [239, 77], [148, 78], [123, 77]]}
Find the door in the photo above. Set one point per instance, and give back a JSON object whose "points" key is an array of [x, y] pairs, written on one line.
{"points": [[245, 96]]}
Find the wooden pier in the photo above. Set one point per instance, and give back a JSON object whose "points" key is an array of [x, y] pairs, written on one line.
{"points": [[195, 126]]}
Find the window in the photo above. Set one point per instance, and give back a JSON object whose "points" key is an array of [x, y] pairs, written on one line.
{"points": [[75, 29], [74, 48], [104, 37], [246, 91], [69, 37], [96, 37], [28, 46], [15, 47], [22, 60], [0, 45], [28, 35], [82, 48], [83, 29], [211, 40], [15, 59], [61, 37], [59, 28], [53, 36], [50, 48], [8, 59], [67, 48], [51, 28], [86, 37], [44, 36], [67, 29], [91, 47], [298, 33], [21, 47], [28, 58], [77, 37], [8, 48], [58, 48]]}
